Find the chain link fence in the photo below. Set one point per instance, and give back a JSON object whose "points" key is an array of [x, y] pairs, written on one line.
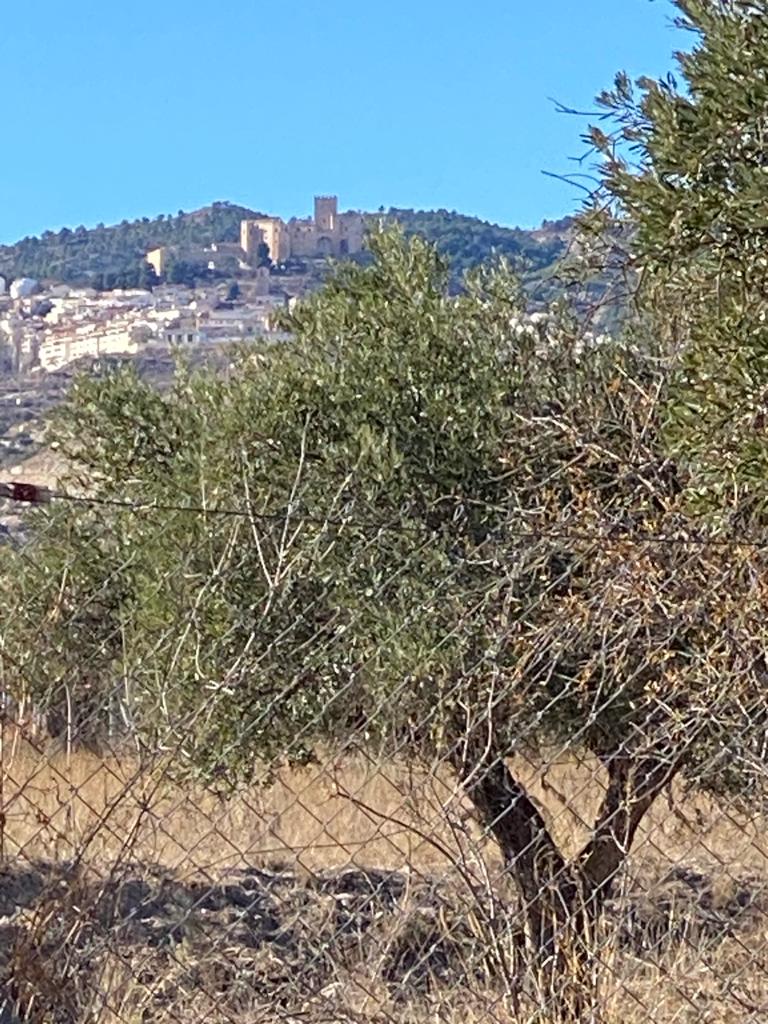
{"points": [[364, 882]]}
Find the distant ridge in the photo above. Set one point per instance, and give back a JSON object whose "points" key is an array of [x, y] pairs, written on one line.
{"points": [[467, 241]]}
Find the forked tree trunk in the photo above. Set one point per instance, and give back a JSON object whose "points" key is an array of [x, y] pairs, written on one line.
{"points": [[562, 900]]}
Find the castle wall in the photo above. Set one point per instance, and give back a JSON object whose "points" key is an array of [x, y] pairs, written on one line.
{"points": [[303, 238], [351, 232]]}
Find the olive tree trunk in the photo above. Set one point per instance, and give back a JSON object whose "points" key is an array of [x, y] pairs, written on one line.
{"points": [[563, 900]]}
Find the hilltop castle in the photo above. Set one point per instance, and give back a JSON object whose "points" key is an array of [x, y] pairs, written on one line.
{"points": [[328, 233]]}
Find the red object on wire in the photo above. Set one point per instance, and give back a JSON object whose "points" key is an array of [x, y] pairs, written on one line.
{"points": [[18, 491]]}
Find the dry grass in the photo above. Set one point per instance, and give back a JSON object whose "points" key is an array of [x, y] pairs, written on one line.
{"points": [[321, 816], [327, 815], [687, 939]]}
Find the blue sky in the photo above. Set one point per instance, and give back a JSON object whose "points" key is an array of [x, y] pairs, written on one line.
{"points": [[114, 110]]}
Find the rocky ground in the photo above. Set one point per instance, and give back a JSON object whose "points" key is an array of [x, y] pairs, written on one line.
{"points": [[23, 405]]}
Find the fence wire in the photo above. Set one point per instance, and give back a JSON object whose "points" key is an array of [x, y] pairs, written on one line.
{"points": [[569, 826]]}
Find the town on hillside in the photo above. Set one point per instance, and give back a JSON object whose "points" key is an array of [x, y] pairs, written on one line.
{"points": [[46, 325]]}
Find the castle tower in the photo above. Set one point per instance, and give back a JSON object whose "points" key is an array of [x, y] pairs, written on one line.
{"points": [[326, 213], [270, 231], [275, 237]]}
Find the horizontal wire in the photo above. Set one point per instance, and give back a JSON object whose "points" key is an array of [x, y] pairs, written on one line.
{"points": [[31, 494]]}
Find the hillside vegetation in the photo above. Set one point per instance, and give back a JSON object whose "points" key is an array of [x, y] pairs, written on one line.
{"points": [[469, 241], [85, 256]]}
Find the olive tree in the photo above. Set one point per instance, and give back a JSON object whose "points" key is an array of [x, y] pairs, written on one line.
{"points": [[426, 524], [685, 165]]}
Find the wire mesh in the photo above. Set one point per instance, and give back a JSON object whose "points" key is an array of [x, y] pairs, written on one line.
{"points": [[461, 856]]}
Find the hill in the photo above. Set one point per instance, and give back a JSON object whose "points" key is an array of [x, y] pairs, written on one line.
{"points": [[468, 241], [114, 256]]}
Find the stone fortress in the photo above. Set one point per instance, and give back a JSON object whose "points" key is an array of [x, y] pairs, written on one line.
{"points": [[328, 233]]}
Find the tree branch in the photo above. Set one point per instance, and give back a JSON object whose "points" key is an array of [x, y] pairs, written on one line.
{"points": [[633, 785]]}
